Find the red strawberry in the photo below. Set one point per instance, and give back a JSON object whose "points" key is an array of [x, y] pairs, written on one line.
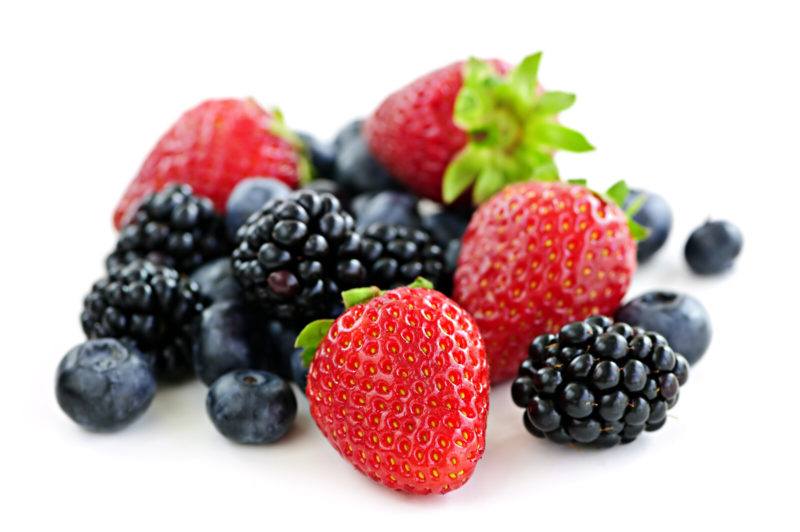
{"points": [[474, 122], [540, 255], [214, 146], [400, 387]]}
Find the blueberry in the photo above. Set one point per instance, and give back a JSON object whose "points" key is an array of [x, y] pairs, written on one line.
{"points": [[286, 358], [388, 207], [231, 337], [445, 225], [217, 281], [104, 384], [656, 216], [357, 170], [251, 406], [247, 197], [347, 133], [713, 247], [322, 154], [680, 318]]}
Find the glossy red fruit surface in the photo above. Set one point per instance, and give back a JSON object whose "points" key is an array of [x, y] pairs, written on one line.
{"points": [[537, 256], [412, 132], [400, 387], [212, 147]]}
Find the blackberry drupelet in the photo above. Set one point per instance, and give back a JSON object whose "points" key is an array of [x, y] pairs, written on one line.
{"points": [[395, 255], [151, 305], [173, 227], [598, 383], [293, 256]]}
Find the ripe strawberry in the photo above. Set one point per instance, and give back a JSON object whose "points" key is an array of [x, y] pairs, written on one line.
{"points": [[540, 255], [400, 387], [214, 146], [474, 122]]}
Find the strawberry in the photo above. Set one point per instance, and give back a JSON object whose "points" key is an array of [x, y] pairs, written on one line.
{"points": [[478, 123], [540, 255], [399, 385], [214, 146]]}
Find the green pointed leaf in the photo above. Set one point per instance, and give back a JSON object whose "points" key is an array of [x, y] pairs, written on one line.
{"points": [[635, 205], [525, 77], [560, 137], [554, 102], [618, 193], [478, 72], [462, 172], [489, 182], [581, 182], [421, 282], [310, 338], [356, 296], [546, 172], [638, 231], [473, 106]]}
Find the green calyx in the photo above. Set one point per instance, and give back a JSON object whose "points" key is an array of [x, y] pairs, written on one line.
{"points": [[512, 128], [313, 333], [279, 128], [618, 193]]}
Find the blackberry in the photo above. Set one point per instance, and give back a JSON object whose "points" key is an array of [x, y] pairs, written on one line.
{"points": [[151, 305], [173, 227], [394, 255], [598, 383], [294, 255]]}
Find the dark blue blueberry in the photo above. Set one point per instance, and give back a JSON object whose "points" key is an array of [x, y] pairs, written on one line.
{"points": [[357, 170], [347, 133], [656, 216], [322, 154], [388, 207], [713, 247], [247, 197], [251, 406], [680, 318], [104, 385], [445, 226], [231, 337], [217, 281], [288, 360]]}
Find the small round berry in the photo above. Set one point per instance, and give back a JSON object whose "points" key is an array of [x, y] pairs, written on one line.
{"points": [[668, 385], [522, 391], [664, 358], [613, 406], [634, 375], [605, 375], [581, 366], [576, 400], [104, 384], [576, 334], [584, 430], [543, 414], [546, 380], [611, 345], [538, 349], [640, 346], [681, 369], [251, 406], [623, 329], [526, 420], [637, 412]]}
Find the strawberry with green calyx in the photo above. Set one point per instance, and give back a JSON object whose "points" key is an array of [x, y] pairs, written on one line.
{"points": [[476, 124], [539, 255], [399, 385], [214, 146]]}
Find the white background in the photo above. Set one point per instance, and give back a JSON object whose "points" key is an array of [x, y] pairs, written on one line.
{"points": [[697, 101]]}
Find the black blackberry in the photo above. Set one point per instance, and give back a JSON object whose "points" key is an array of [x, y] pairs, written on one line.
{"points": [[598, 383], [394, 255], [151, 305], [295, 255], [173, 227]]}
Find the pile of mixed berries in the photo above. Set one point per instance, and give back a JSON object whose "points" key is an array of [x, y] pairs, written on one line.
{"points": [[392, 276]]}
